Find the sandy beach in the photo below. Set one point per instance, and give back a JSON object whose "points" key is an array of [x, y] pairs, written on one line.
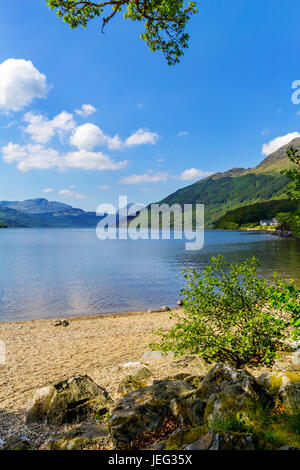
{"points": [[39, 353]]}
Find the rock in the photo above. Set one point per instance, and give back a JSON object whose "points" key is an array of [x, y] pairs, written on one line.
{"points": [[20, 442], [232, 404], [200, 367], [223, 441], [144, 410], [188, 411], [157, 446], [154, 355], [129, 384], [158, 310], [284, 386], [67, 401], [290, 397], [288, 362], [80, 437], [289, 448], [3, 444], [144, 373], [61, 323], [223, 375]]}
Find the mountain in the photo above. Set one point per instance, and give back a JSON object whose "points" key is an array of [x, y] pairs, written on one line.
{"points": [[223, 192], [38, 206], [44, 213]]}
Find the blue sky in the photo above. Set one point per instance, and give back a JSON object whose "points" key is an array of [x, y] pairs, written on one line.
{"points": [[148, 129]]}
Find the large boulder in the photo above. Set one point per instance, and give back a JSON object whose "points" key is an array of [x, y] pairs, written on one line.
{"points": [[188, 411], [79, 438], [284, 386], [67, 401], [144, 410], [289, 362], [232, 404], [222, 376]]}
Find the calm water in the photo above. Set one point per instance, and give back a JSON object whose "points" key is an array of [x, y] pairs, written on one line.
{"points": [[48, 273]]}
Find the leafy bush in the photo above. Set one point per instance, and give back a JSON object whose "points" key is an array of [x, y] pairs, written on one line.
{"points": [[290, 222], [232, 314]]}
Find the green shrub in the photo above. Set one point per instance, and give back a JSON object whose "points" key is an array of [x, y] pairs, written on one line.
{"points": [[232, 314]]}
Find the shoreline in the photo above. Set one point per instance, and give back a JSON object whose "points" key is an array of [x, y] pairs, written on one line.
{"points": [[97, 316], [39, 353]]}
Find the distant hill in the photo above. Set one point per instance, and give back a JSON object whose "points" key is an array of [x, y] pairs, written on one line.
{"points": [[38, 206], [223, 192], [44, 213]]}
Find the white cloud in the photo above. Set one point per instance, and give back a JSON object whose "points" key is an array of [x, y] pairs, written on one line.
{"points": [[48, 190], [85, 110], [140, 137], [146, 178], [105, 187], [182, 133], [193, 173], [88, 136], [69, 193], [30, 157], [41, 129], [275, 144], [20, 83], [160, 160]]}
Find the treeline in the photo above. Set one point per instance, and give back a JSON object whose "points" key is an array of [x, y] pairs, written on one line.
{"points": [[254, 213]]}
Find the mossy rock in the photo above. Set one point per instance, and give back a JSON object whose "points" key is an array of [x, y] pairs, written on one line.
{"points": [[223, 375], [129, 384], [67, 401], [188, 410], [144, 410], [18, 443], [183, 437], [80, 438], [232, 404], [284, 386], [200, 367]]}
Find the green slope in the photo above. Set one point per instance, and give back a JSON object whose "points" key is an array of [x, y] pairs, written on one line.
{"points": [[223, 192], [253, 213]]}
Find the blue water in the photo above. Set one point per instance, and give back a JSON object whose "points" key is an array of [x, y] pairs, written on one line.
{"points": [[47, 273]]}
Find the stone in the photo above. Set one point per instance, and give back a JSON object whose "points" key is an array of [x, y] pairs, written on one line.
{"points": [[3, 444], [19, 442], [153, 355], [200, 367], [283, 386], [288, 362], [80, 438], [188, 411], [157, 446], [180, 303], [65, 323], [144, 410], [129, 384], [223, 375], [223, 441], [232, 403], [289, 448], [67, 401], [144, 373]]}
